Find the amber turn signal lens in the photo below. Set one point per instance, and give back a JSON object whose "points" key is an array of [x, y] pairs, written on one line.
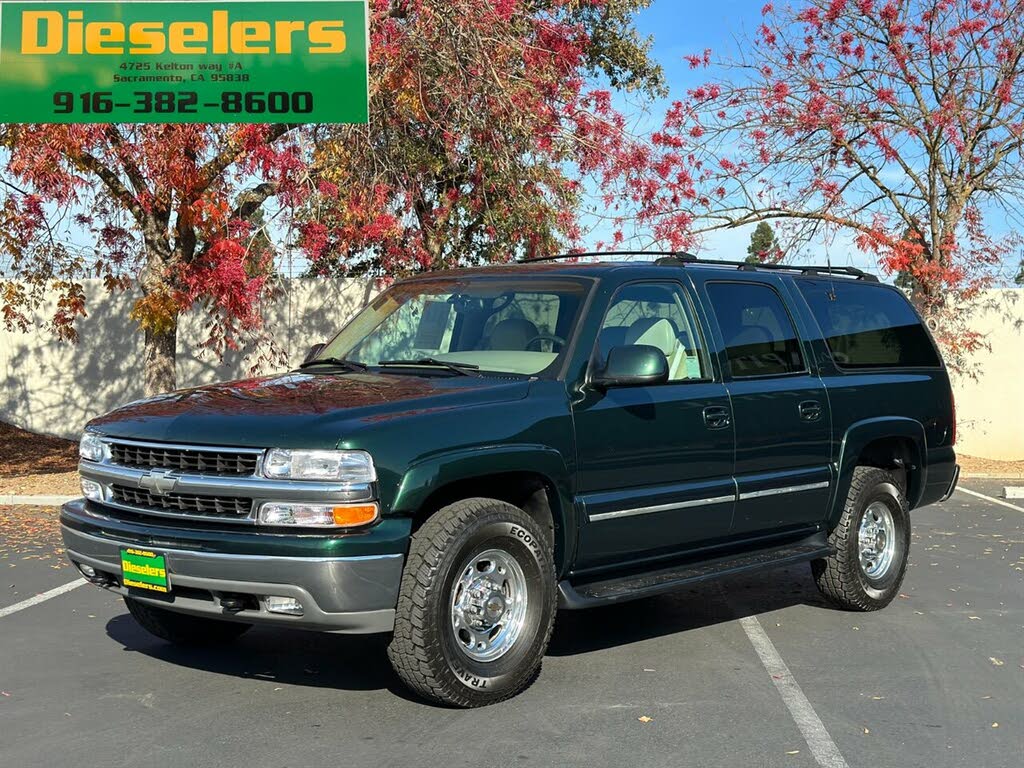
{"points": [[355, 514]]}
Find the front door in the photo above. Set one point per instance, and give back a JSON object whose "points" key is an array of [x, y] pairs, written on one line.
{"points": [[780, 410], [655, 462]]}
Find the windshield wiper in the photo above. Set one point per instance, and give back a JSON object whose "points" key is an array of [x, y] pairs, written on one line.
{"points": [[337, 362], [464, 369]]}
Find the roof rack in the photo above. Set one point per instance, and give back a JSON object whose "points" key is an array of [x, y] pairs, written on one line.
{"points": [[680, 259], [676, 255], [746, 266]]}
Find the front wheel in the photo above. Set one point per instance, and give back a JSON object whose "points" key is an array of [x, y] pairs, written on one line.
{"points": [[871, 542], [476, 606]]}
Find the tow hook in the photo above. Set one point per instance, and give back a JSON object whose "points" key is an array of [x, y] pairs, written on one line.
{"points": [[232, 603]]}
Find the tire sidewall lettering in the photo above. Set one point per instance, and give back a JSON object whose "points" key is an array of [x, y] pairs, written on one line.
{"points": [[525, 537]]}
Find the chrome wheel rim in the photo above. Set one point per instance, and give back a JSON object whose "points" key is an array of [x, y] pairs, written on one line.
{"points": [[876, 540], [488, 605]]}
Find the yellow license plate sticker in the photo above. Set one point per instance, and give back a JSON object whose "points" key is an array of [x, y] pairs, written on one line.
{"points": [[143, 569]]}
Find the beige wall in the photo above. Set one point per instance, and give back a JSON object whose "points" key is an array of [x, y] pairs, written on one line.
{"points": [[990, 407], [55, 388]]}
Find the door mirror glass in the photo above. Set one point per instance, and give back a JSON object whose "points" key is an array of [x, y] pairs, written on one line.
{"points": [[633, 366], [313, 352]]}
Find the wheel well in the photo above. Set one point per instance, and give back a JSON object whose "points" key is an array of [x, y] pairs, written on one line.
{"points": [[531, 492], [900, 455]]}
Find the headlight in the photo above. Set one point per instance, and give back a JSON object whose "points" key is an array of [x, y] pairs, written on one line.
{"points": [[318, 515], [350, 467], [91, 448]]}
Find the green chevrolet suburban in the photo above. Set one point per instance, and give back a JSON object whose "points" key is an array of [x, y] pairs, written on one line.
{"points": [[478, 449]]}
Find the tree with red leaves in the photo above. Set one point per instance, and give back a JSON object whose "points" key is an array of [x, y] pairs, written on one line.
{"points": [[171, 209], [874, 118], [483, 116]]}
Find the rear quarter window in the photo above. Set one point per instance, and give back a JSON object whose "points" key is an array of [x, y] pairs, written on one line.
{"points": [[869, 326]]}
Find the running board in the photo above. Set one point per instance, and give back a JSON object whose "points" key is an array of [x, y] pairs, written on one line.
{"points": [[638, 585]]}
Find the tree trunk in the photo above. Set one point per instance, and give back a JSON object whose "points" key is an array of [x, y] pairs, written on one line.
{"points": [[160, 357]]}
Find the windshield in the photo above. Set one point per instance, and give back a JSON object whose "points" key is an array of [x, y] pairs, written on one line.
{"points": [[499, 325]]}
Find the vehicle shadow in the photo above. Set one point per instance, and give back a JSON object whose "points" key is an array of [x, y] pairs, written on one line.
{"points": [[359, 662], [284, 656], [704, 605]]}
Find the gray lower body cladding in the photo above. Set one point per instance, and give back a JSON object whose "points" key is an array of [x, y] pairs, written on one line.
{"points": [[346, 594]]}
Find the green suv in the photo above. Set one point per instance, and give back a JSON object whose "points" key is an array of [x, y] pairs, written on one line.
{"points": [[478, 449]]}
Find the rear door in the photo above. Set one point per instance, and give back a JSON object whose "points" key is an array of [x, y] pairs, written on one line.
{"points": [[655, 472], [780, 408]]}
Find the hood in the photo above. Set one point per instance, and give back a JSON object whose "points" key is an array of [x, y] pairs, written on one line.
{"points": [[297, 409]]}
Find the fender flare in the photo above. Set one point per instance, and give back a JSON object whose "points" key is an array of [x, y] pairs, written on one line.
{"points": [[862, 433], [429, 474]]}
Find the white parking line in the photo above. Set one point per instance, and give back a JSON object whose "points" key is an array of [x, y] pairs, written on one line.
{"points": [[1000, 502], [822, 747], [41, 598]]}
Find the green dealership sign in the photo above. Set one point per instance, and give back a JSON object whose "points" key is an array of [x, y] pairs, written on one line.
{"points": [[239, 61]]}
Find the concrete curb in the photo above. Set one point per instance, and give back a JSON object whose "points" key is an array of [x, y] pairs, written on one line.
{"points": [[992, 475], [9, 500]]}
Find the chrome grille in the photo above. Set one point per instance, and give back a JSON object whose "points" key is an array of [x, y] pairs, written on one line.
{"points": [[216, 461], [181, 503]]}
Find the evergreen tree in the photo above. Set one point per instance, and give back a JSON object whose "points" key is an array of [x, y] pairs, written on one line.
{"points": [[763, 245]]}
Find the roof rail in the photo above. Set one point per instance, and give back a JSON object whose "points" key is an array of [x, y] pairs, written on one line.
{"points": [[746, 266], [681, 259], [677, 255]]}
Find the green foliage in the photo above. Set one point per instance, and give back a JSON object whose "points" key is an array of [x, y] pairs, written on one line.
{"points": [[763, 245]]}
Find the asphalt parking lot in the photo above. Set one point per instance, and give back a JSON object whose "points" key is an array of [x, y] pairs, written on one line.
{"points": [[936, 679]]}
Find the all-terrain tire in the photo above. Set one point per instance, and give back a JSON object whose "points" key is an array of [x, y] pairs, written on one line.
{"points": [[425, 650], [842, 578], [183, 629]]}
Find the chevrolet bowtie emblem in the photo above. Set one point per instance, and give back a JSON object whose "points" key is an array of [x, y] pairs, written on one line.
{"points": [[160, 483]]}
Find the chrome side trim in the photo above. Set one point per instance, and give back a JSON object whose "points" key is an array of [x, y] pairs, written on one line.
{"points": [[660, 508], [263, 559], [787, 489]]}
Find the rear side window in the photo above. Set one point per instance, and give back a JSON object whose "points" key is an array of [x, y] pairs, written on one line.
{"points": [[760, 339], [868, 326]]}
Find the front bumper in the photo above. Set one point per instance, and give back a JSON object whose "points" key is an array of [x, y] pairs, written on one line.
{"points": [[353, 594]]}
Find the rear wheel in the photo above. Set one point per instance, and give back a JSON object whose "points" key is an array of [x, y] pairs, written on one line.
{"points": [[183, 629], [477, 604], [871, 541]]}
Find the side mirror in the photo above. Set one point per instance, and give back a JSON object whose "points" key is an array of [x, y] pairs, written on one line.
{"points": [[633, 366], [315, 350]]}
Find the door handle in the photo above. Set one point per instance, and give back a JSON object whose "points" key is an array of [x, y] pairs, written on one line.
{"points": [[810, 410], [717, 417]]}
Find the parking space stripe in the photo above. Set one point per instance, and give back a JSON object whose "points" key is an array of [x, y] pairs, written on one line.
{"points": [[818, 740], [41, 598], [1000, 502]]}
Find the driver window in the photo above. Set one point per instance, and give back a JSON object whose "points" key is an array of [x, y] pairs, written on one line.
{"points": [[658, 315]]}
